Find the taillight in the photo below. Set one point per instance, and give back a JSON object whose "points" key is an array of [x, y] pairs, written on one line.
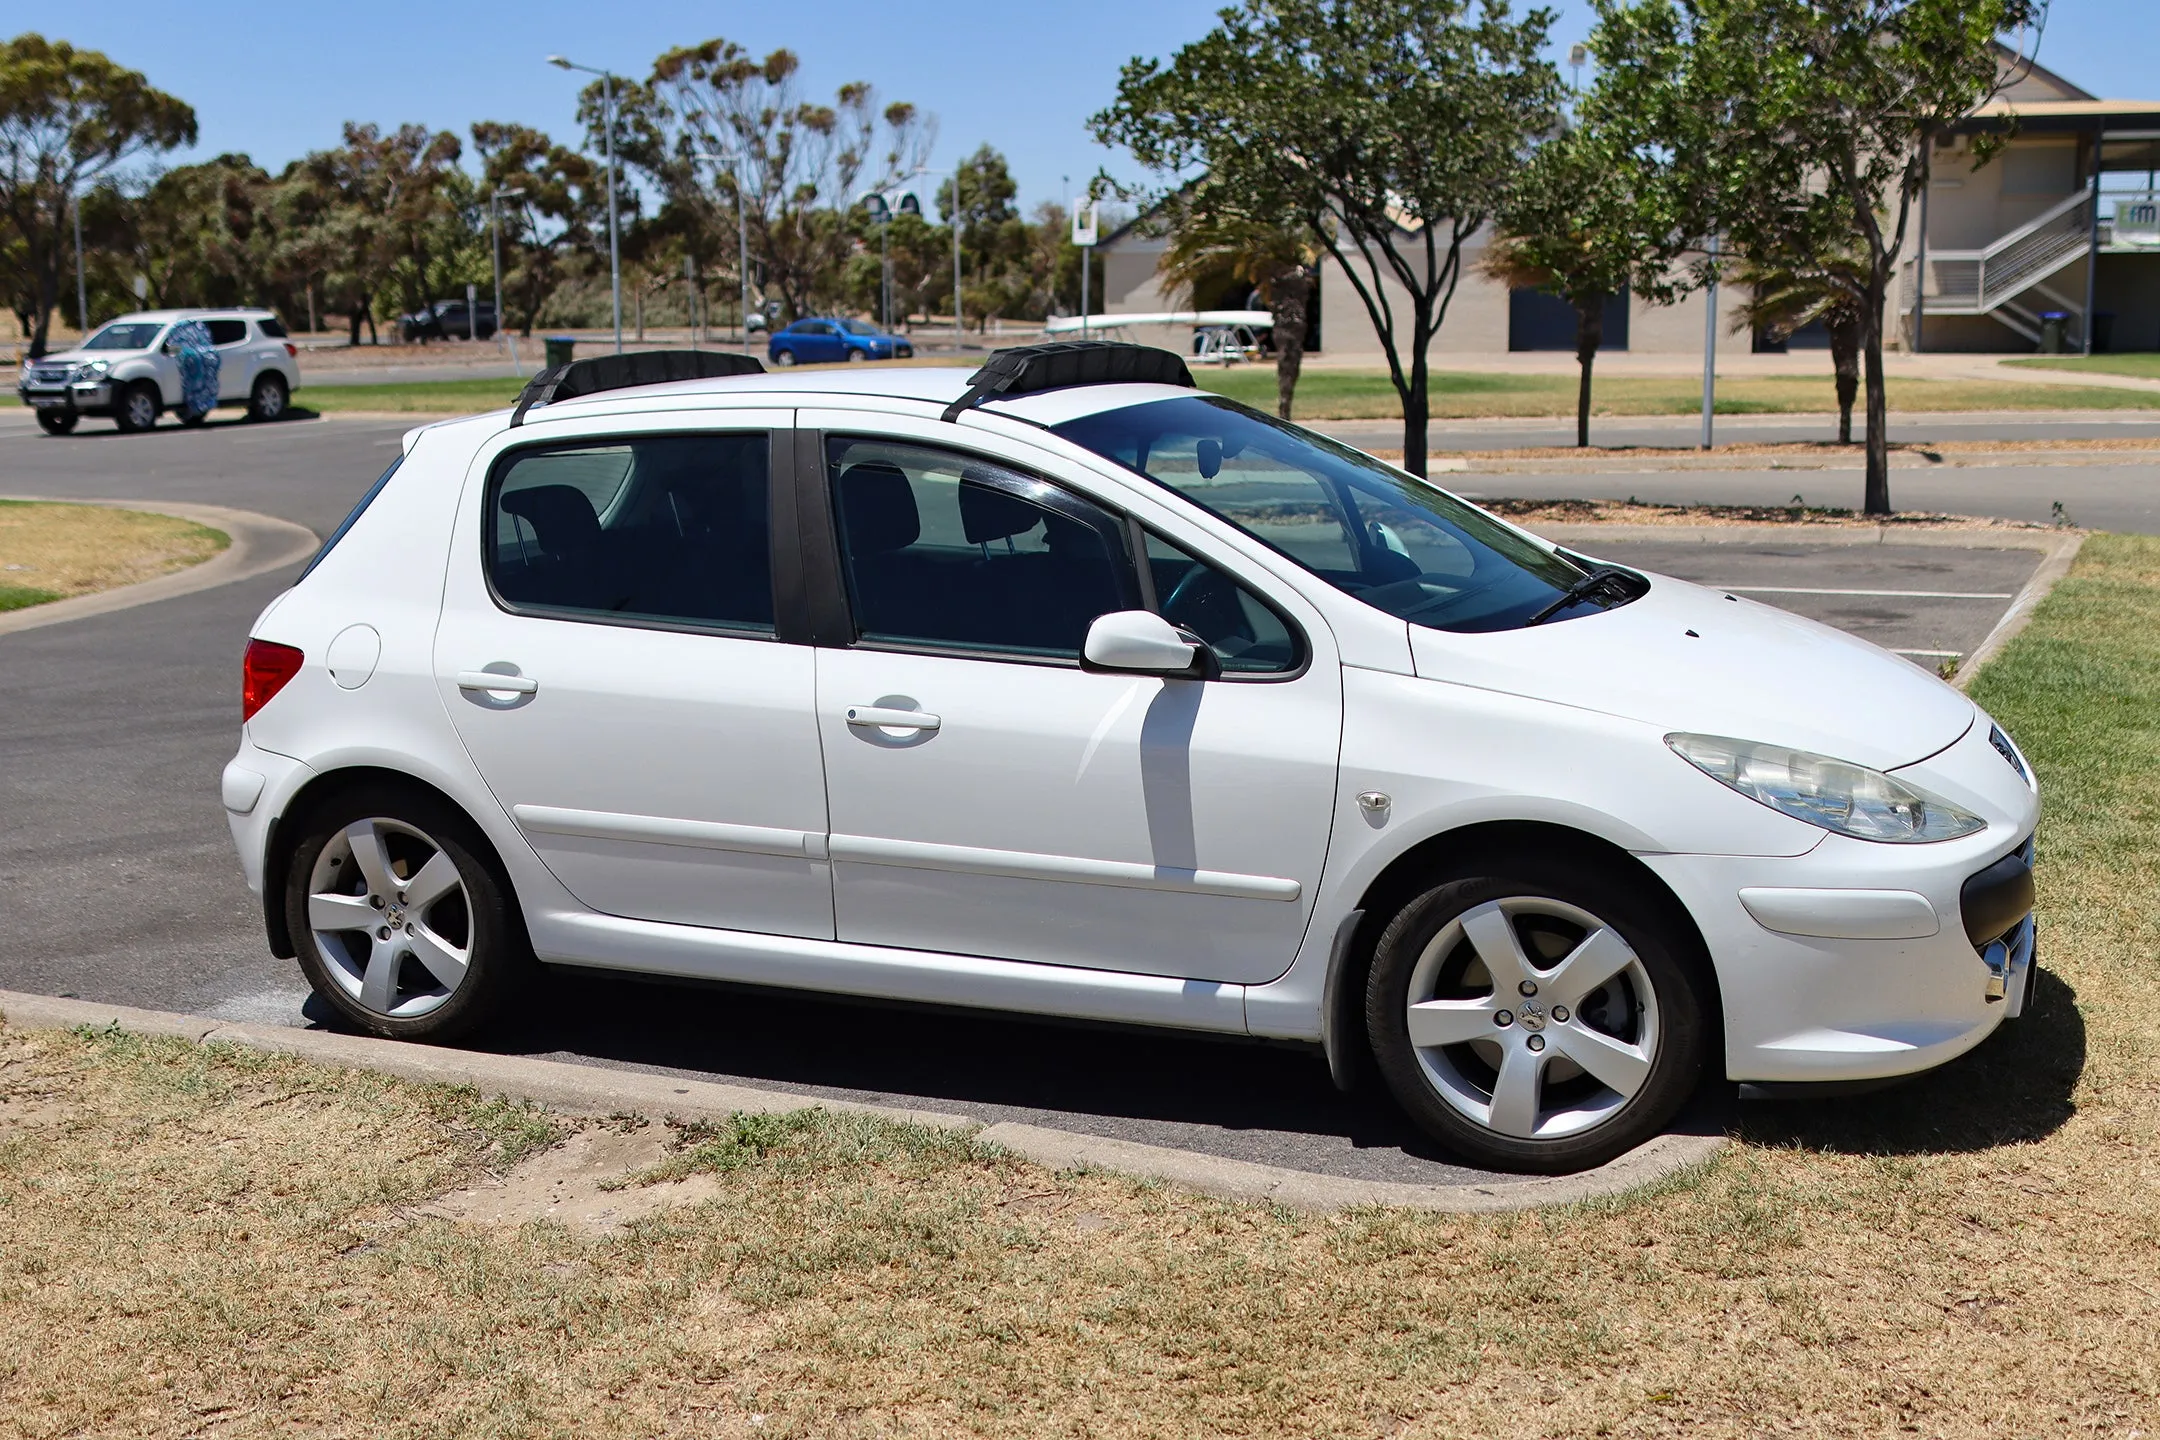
{"points": [[291, 349], [263, 673]]}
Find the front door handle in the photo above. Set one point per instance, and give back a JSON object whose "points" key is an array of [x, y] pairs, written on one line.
{"points": [[490, 680], [880, 718]]}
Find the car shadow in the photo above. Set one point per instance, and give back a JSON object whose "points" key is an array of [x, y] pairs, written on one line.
{"points": [[2016, 1085], [94, 427], [989, 1065]]}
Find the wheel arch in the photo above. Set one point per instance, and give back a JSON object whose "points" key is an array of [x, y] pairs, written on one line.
{"points": [[1457, 851], [286, 829]]}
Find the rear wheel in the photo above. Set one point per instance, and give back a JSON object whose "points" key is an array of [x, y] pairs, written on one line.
{"points": [[783, 357], [138, 407], [57, 422], [267, 399], [1538, 1017], [399, 918], [855, 355]]}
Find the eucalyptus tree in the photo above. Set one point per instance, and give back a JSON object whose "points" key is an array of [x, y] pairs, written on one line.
{"points": [[68, 117], [1391, 130]]}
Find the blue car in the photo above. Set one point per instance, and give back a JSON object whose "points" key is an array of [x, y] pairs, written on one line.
{"points": [[820, 341]]}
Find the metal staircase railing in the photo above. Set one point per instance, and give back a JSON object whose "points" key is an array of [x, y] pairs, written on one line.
{"points": [[1984, 282]]}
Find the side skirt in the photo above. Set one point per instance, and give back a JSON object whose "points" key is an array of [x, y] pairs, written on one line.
{"points": [[653, 947]]}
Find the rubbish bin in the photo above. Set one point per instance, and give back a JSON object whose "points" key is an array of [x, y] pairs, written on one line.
{"points": [[561, 350], [2053, 326]]}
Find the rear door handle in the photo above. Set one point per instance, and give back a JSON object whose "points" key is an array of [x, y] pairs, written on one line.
{"points": [[879, 718], [490, 680]]}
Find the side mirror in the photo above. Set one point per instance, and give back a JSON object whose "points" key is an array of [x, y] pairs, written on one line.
{"points": [[1140, 642]]}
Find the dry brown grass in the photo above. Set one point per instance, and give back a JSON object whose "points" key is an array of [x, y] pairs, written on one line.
{"points": [[56, 550], [1640, 512], [209, 1241]]}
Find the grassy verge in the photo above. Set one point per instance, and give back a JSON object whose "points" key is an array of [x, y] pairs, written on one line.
{"points": [[2141, 366], [198, 1237], [52, 551], [1367, 395]]}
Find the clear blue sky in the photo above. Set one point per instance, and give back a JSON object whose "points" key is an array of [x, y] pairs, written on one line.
{"points": [[1023, 76]]}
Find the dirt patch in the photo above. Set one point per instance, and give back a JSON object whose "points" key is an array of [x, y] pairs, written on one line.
{"points": [[1809, 449], [53, 551], [587, 1183]]}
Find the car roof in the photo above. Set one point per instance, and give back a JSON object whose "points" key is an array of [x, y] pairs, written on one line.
{"points": [[161, 317], [938, 385]]}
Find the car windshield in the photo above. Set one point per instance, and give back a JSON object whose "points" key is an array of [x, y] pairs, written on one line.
{"points": [[136, 335], [858, 327], [1368, 529]]}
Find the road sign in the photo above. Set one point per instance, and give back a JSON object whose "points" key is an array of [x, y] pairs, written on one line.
{"points": [[1084, 231]]}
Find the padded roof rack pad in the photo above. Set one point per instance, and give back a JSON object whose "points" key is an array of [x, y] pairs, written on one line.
{"points": [[620, 372], [1028, 369]]}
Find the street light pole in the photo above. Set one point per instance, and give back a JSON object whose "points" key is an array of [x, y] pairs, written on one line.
{"points": [[959, 330], [607, 119], [82, 291], [495, 254]]}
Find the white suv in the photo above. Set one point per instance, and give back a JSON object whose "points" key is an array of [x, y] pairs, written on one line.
{"points": [[128, 370], [1067, 688]]}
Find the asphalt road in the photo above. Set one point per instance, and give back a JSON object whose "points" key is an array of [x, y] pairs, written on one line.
{"points": [[117, 879]]}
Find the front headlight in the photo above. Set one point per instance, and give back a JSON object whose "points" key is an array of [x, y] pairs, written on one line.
{"points": [[1835, 794], [92, 370]]}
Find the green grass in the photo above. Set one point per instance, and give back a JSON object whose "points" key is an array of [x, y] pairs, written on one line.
{"points": [[22, 597], [2143, 366], [1456, 395], [1367, 395]]}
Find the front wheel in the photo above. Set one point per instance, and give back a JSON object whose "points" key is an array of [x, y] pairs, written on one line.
{"points": [[58, 422], [266, 400], [400, 922], [1536, 1018], [138, 408]]}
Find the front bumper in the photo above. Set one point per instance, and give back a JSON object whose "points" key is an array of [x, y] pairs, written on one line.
{"points": [[84, 397]]}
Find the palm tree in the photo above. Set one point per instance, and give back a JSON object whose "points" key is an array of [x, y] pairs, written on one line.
{"points": [[1783, 298], [1210, 242]]}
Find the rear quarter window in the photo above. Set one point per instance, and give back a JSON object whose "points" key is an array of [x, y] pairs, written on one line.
{"points": [[352, 519], [272, 327]]}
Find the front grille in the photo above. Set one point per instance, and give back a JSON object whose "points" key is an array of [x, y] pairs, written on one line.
{"points": [[2004, 748], [49, 374]]}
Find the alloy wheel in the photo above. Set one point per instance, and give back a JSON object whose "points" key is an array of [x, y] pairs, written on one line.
{"points": [[390, 917], [1533, 1018], [142, 408]]}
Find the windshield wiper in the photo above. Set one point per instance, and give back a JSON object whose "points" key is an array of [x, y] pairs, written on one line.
{"points": [[1604, 577]]}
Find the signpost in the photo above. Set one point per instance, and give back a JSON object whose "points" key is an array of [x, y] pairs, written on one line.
{"points": [[1086, 230]]}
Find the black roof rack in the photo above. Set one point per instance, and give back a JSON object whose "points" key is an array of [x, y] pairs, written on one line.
{"points": [[1026, 369], [619, 372]]}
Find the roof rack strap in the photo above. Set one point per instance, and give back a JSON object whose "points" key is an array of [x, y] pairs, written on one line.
{"points": [[1030, 369], [620, 372]]}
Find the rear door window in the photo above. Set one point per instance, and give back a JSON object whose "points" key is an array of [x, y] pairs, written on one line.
{"points": [[666, 530], [227, 332]]}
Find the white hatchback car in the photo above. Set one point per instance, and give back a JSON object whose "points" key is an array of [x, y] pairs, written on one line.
{"points": [[1067, 688], [127, 370]]}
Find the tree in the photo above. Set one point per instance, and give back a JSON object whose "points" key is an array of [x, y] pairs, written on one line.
{"points": [[1576, 225], [1800, 130], [1391, 130], [796, 162], [1782, 299], [382, 212], [564, 205], [67, 118], [1210, 240]]}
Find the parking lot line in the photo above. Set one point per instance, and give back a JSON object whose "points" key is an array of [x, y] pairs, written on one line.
{"points": [[1872, 594]]}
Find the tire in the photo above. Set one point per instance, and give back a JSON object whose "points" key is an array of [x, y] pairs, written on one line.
{"points": [[855, 356], [268, 397], [138, 408], [1494, 1074], [57, 422], [413, 967], [783, 357]]}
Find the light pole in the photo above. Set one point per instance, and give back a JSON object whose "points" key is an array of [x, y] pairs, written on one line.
{"points": [[614, 247], [884, 219], [82, 292], [959, 330], [495, 255], [742, 236]]}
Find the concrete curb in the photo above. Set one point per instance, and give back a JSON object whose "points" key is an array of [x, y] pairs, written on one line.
{"points": [[591, 1090], [260, 544], [2053, 566]]}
